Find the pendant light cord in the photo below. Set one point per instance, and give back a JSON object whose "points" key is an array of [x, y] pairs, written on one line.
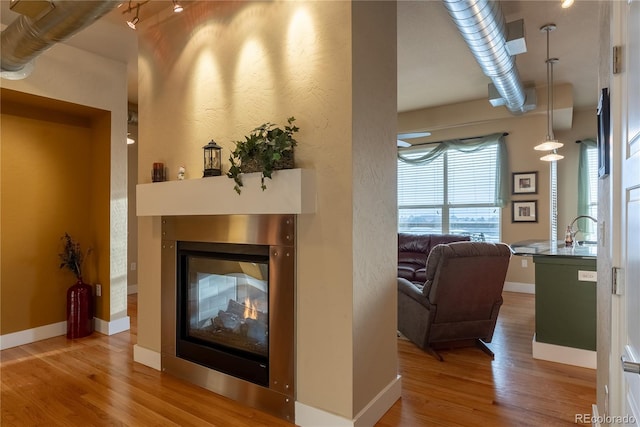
{"points": [[550, 135]]}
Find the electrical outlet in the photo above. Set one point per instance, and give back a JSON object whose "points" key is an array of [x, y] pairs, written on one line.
{"points": [[134, 266], [98, 290], [525, 263], [587, 276]]}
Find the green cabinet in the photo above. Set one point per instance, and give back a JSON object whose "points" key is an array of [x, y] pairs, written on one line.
{"points": [[565, 301]]}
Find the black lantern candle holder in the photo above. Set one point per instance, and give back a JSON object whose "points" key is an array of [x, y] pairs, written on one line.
{"points": [[212, 159]]}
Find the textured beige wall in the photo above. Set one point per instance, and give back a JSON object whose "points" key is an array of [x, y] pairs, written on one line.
{"points": [[233, 70], [68, 74], [374, 199], [607, 304], [478, 118], [100, 177], [132, 219]]}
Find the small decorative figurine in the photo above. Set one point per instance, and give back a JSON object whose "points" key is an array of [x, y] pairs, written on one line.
{"points": [[181, 172]]}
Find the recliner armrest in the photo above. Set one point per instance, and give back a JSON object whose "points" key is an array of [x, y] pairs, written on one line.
{"points": [[412, 290]]}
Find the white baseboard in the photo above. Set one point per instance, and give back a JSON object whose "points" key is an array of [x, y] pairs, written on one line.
{"points": [[566, 355], [56, 329], [113, 327], [132, 289], [32, 335], [308, 416], [147, 357], [523, 288], [380, 404]]}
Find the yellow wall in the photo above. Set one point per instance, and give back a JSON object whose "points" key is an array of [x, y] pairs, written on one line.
{"points": [[49, 186], [85, 80], [233, 69]]}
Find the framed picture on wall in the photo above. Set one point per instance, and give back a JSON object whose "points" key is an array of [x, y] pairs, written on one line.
{"points": [[525, 183], [524, 211]]}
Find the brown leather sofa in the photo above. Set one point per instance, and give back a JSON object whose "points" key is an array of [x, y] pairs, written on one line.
{"points": [[413, 250], [458, 303]]}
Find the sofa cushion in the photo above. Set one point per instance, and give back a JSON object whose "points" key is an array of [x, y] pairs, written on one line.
{"points": [[437, 239], [413, 250], [414, 243], [407, 271]]}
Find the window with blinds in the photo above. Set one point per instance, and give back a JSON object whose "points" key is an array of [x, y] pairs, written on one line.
{"points": [[592, 158], [587, 189], [454, 193], [590, 229]]}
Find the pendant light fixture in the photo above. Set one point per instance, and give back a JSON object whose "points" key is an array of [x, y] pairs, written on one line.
{"points": [[550, 143]]}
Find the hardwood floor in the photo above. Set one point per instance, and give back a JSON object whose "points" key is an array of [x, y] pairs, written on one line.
{"points": [[94, 382], [469, 389]]}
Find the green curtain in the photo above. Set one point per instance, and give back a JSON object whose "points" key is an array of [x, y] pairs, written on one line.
{"points": [[470, 146], [583, 183]]}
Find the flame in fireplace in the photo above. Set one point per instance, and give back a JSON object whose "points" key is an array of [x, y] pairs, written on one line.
{"points": [[250, 309]]}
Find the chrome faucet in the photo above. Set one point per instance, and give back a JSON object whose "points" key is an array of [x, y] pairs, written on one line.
{"points": [[570, 228]]}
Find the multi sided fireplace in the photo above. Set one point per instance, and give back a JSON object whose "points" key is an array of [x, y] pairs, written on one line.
{"points": [[223, 308], [228, 306]]}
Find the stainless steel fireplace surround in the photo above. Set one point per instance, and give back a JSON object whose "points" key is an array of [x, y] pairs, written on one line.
{"points": [[277, 232]]}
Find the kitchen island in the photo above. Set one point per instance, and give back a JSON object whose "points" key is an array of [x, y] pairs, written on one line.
{"points": [[565, 297]]}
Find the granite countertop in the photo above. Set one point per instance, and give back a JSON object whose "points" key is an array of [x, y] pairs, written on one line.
{"points": [[548, 248]]}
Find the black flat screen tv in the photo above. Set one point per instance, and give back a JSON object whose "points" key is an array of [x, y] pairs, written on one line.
{"points": [[604, 128]]}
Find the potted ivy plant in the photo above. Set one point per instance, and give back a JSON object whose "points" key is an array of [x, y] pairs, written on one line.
{"points": [[267, 148]]}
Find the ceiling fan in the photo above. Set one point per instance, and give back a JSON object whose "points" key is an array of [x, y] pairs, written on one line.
{"points": [[410, 135]]}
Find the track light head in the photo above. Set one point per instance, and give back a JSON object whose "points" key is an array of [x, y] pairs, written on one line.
{"points": [[132, 23]]}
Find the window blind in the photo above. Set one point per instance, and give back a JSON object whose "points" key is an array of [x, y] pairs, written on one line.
{"points": [[453, 191]]}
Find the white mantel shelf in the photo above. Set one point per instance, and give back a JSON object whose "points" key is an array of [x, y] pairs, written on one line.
{"points": [[291, 191]]}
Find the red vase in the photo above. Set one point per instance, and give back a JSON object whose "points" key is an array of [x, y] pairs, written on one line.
{"points": [[79, 310]]}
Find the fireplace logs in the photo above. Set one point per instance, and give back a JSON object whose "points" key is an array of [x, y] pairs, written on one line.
{"points": [[240, 326]]}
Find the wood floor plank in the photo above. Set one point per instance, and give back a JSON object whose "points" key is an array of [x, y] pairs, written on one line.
{"points": [[93, 381], [514, 389]]}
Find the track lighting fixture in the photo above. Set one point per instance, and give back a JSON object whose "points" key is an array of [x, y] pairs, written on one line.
{"points": [[133, 22]]}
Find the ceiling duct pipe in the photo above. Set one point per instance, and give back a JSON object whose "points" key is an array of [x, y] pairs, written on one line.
{"points": [[41, 25], [483, 27]]}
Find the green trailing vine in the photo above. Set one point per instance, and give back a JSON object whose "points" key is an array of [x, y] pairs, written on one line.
{"points": [[267, 148]]}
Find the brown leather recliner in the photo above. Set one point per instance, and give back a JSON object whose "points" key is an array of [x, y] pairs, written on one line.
{"points": [[460, 299]]}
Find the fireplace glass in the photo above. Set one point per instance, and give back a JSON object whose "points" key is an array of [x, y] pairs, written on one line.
{"points": [[223, 307]]}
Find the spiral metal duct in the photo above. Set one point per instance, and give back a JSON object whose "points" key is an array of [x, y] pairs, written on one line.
{"points": [[27, 37], [483, 27]]}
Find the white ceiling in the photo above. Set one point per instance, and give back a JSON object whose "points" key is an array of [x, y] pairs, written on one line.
{"points": [[435, 66]]}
